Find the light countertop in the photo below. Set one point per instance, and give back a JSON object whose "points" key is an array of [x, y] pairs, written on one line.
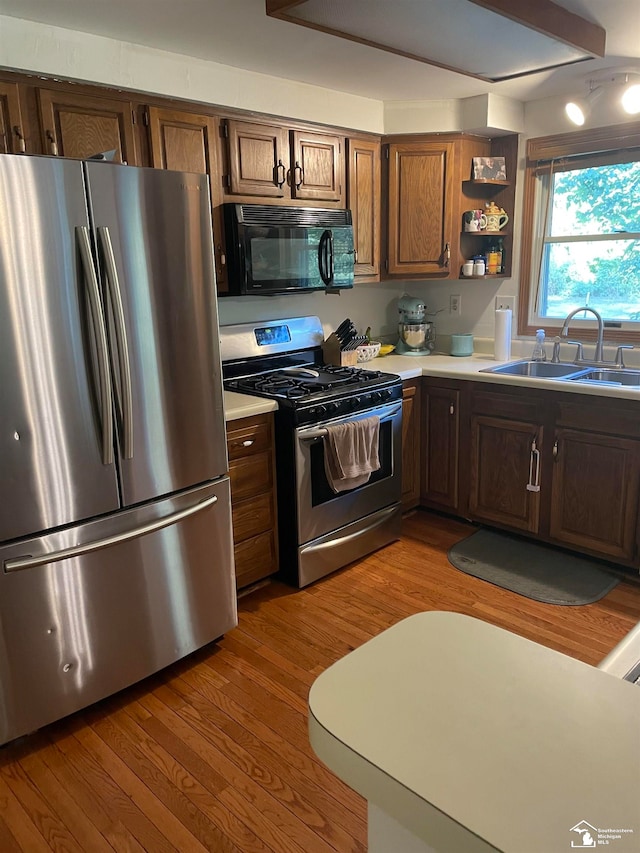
{"points": [[447, 367], [476, 739]]}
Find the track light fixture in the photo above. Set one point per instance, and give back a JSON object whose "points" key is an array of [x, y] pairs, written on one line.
{"points": [[625, 86]]}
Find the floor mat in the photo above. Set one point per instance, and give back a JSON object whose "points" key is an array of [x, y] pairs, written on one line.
{"points": [[536, 571]]}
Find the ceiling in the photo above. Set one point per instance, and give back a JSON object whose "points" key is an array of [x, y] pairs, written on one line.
{"points": [[238, 33]]}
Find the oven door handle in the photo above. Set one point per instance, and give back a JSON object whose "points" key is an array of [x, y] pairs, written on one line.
{"points": [[312, 434]]}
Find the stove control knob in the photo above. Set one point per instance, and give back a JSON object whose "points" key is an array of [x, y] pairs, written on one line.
{"points": [[356, 402], [334, 407]]}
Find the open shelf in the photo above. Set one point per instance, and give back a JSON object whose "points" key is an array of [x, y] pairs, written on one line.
{"points": [[494, 181]]}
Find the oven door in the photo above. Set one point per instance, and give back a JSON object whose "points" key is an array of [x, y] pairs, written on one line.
{"points": [[320, 509]]}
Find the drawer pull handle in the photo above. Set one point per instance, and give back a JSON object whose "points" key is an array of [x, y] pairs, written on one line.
{"points": [[248, 442]]}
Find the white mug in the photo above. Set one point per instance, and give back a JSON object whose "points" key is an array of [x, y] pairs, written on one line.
{"points": [[467, 268]]}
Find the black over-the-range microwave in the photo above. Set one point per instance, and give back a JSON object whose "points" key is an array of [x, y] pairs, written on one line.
{"points": [[274, 249]]}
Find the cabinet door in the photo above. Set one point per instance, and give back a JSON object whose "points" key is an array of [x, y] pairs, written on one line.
{"points": [[79, 126], [363, 198], [420, 207], [501, 457], [316, 166], [594, 501], [258, 156], [186, 142], [410, 444], [440, 431], [12, 137]]}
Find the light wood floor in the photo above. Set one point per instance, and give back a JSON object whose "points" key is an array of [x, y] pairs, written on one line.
{"points": [[212, 754]]}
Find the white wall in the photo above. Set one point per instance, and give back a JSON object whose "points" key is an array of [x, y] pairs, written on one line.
{"points": [[39, 48]]}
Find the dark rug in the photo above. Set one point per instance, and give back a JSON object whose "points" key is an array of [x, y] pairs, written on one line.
{"points": [[536, 571]]}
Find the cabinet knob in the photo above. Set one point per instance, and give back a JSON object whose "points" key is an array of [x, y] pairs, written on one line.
{"points": [[53, 145], [554, 452], [452, 409], [22, 145], [298, 182], [280, 175], [248, 442]]}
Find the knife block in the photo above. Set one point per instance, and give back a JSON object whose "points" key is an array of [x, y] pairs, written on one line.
{"points": [[332, 353]]}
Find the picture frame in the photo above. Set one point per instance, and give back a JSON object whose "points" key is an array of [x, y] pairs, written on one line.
{"points": [[489, 169]]}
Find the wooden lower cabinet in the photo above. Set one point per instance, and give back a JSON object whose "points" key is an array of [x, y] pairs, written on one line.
{"points": [[564, 470], [253, 498], [501, 457], [411, 391], [594, 493], [440, 445]]}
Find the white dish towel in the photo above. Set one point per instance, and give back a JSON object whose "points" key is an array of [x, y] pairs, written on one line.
{"points": [[351, 453]]}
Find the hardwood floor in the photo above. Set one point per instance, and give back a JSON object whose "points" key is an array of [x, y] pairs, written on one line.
{"points": [[212, 753]]}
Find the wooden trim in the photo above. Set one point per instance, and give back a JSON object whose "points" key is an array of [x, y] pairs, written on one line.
{"points": [[594, 140], [544, 148], [551, 20], [544, 17]]}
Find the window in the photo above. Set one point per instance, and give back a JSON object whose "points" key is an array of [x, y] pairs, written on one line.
{"points": [[581, 231]]}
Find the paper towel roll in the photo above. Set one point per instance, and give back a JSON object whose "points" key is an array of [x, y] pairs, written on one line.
{"points": [[502, 334]]}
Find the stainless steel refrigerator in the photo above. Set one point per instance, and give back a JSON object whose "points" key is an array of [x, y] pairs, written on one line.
{"points": [[115, 513]]}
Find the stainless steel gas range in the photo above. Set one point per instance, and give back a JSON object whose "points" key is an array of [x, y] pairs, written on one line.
{"points": [[319, 530]]}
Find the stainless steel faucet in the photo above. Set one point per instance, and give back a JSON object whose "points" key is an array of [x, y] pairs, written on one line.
{"points": [[600, 339], [598, 358]]}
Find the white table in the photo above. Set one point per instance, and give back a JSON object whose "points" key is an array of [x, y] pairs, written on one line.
{"points": [[464, 737]]}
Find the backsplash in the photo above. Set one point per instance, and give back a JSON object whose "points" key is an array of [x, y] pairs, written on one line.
{"points": [[375, 305]]}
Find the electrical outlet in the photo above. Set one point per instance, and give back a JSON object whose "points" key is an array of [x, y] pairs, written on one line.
{"points": [[506, 302], [455, 305]]}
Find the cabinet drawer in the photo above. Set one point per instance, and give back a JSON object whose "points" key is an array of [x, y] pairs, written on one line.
{"points": [[255, 558], [616, 418], [252, 437], [252, 516], [250, 476], [513, 404]]}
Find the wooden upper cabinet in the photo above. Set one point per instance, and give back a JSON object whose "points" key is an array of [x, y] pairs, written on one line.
{"points": [[186, 142], [12, 134], [80, 126], [363, 198], [420, 207], [182, 142], [271, 161], [316, 172], [258, 159]]}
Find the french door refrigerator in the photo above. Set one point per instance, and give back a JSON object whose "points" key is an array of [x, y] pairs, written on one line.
{"points": [[115, 513]]}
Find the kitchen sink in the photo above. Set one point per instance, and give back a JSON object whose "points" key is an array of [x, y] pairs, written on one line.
{"points": [[613, 376], [537, 370]]}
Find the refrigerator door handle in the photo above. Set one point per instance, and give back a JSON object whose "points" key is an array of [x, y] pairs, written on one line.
{"points": [[102, 352], [125, 400], [30, 562]]}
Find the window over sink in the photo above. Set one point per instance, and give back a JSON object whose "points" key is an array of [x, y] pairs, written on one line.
{"points": [[581, 230]]}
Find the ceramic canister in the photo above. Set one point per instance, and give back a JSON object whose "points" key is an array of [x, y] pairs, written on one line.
{"points": [[461, 345]]}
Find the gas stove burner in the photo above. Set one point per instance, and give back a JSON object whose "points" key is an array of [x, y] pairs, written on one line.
{"points": [[278, 385]]}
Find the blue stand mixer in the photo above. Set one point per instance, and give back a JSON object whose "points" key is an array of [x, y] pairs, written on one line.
{"points": [[417, 335]]}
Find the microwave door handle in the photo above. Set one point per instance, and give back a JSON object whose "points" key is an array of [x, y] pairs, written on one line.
{"points": [[330, 247], [322, 257]]}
